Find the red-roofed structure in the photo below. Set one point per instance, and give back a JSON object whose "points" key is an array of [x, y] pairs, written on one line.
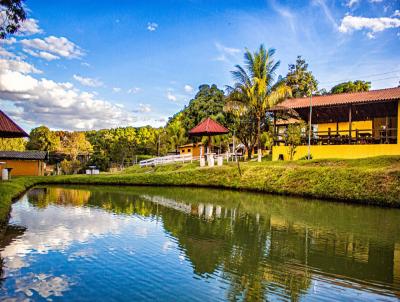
{"points": [[9, 129], [346, 125], [388, 94], [208, 127]]}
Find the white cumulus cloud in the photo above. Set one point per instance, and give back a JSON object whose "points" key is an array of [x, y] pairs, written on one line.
{"points": [[58, 105], [144, 108], [351, 3], [226, 53], [5, 53], [351, 23], [8, 41], [188, 88], [171, 97], [41, 54], [151, 26], [56, 46], [85, 81], [134, 90], [29, 27]]}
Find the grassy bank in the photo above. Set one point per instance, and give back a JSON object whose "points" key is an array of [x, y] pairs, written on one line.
{"points": [[370, 181]]}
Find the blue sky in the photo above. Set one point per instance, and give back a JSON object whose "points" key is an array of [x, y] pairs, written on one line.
{"points": [[98, 64]]}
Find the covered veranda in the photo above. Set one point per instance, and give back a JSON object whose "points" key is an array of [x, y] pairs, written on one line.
{"points": [[342, 125]]}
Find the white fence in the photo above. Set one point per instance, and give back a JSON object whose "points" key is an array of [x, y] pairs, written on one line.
{"points": [[168, 159], [188, 158]]}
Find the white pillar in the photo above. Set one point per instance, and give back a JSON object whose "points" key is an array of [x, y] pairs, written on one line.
{"points": [[210, 159]]}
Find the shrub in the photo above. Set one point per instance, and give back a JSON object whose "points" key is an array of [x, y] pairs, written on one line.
{"points": [[71, 166]]}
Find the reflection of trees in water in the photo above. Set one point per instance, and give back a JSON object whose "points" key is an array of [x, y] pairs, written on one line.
{"points": [[42, 197], [262, 247]]}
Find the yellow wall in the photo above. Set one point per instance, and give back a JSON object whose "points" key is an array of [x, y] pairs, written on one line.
{"points": [[24, 167], [398, 122], [344, 126], [194, 150], [337, 151]]}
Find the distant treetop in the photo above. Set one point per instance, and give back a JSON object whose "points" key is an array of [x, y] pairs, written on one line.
{"points": [[356, 86], [300, 79]]}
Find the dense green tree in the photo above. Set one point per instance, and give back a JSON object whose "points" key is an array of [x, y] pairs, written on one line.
{"points": [[356, 86], [74, 144], [300, 80], [176, 133], [122, 145], [147, 140], [255, 88], [43, 139], [244, 127], [322, 91], [12, 144], [209, 101], [12, 15]]}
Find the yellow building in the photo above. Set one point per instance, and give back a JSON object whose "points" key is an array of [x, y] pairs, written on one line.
{"points": [[348, 125], [26, 163], [192, 149]]}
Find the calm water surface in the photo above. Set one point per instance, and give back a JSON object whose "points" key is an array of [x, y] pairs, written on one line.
{"points": [[175, 244]]}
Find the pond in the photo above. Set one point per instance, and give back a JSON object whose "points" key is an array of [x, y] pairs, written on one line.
{"points": [[96, 243]]}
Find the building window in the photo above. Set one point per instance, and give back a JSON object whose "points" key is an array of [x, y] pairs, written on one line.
{"points": [[188, 150], [183, 150]]}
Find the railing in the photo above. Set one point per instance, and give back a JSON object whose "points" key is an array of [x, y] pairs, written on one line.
{"points": [[344, 137], [184, 159], [168, 159]]}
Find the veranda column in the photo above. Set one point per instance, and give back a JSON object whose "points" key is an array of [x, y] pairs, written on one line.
{"points": [[350, 124], [274, 130], [398, 122]]}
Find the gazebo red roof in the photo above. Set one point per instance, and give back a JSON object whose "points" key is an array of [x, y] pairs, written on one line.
{"points": [[9, 129], [208, 127]]}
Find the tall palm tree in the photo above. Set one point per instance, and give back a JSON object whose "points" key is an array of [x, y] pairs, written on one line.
{"points": [[176, 134], [256, 89]]}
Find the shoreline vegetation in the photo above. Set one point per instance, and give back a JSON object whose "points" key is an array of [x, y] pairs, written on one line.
{"points": [[372, 181]]}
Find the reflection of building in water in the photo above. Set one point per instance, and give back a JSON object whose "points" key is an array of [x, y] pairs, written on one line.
{"points": [[169, 203], [42, 197], [345, 254]]}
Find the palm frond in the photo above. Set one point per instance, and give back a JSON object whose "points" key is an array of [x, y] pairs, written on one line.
{"points": [[240, 75], [280, 93]]}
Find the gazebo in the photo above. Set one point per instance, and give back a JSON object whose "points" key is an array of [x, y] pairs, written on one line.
{"points": [[9, 129], [208, 127]]}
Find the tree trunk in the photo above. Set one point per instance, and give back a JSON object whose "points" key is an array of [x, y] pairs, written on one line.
{"points": [[258, 139], [249, 150]]}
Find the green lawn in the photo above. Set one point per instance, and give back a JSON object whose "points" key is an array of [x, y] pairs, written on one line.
{"points": [[370, 181]]}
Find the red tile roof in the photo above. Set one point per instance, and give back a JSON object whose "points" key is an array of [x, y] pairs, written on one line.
{"points": [[208, 127], [9, 129], [387, 94]]}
